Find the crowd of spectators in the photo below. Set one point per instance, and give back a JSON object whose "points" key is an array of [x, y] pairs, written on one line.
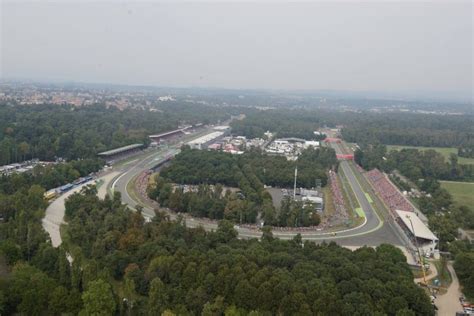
{"points": [[337, 197], [390, 195], [141, 184]]}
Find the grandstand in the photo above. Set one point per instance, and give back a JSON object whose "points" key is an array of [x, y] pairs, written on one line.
{"points": [[417, 231], [167, 136], [403, 212], [389, 194], [117, 154]]}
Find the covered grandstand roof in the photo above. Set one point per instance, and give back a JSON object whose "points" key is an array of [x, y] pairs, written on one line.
{"points": [[421, 230], [119, 150], [206, 138], [182, 129]]}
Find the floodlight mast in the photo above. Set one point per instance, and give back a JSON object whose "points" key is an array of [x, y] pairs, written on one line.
{"points": [[294, 188]]}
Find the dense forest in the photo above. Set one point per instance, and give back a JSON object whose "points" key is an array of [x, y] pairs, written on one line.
{"points": [[123, 265], [14, 188], [49, 131], [411, 129], [284, 123], [248, 173], [201, 166], [244, 206], [414, 164], [24, 242], [464, 266]]}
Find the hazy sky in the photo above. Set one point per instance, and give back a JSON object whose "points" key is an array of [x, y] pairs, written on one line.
{"points": [[389, 46]]}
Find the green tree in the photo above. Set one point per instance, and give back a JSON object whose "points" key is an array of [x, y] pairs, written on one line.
{"points": [[267, 233], [215, 308], [59, 301], [225, 231], [98, 299], [158, 297]]}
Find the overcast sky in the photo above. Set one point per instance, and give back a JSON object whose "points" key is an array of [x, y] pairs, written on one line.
{"points": [[367, 46]]}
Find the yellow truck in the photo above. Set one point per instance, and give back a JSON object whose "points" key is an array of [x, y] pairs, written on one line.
{"points": [[49, 195]]}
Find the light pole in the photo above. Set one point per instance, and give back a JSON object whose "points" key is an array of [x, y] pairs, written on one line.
{"points": [[418, 250]]}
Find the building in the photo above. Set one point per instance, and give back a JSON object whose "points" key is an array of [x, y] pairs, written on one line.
{"points": [[417, 231], [204, 141], [312, 143], [312, 197], [222, 128], [117, 154], [167, 136]]}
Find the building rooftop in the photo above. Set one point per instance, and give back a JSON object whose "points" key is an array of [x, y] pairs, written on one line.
{"points": [[119, 150], [206, 138], [170, 132], [421, 230], [221, 128]]}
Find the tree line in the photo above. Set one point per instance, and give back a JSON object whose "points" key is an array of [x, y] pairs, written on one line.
{"points": [[124, 265], [248, 173], [194, 166], [298, 123], [413, 163], [40, 273], [411, 129], [364, 127], [50, 131]]}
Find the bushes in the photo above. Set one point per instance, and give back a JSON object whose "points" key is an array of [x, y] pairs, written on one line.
{"points": [[193, 271]]}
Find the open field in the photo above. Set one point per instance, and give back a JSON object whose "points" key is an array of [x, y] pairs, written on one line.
{"points": [[462, 192], [445, 151]]}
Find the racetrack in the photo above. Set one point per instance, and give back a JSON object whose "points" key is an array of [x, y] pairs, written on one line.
{"points": [[372, 232]]}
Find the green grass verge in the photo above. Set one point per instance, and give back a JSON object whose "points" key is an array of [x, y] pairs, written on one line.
{"points": [[462, 192], [445, 151], [360, 212], [348, 194], [350, 200], [443, 273], [367, 195]]}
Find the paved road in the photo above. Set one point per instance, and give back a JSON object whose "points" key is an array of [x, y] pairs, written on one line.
{"points": [[448, 304], [373, 232], [54, 214]]}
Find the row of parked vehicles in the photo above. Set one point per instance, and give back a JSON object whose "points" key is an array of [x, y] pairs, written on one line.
{"points": [[468, 308], [53, 193]]}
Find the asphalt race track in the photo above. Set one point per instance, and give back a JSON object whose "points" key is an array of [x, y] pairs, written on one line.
{"points": [[372, 232]]}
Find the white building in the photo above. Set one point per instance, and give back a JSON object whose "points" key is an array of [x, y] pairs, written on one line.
{"points": [[203, 141], [312, 143]]}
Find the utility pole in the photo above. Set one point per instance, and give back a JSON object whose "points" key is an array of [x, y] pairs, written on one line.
{"points": [[418, 250], [294, 188]]}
